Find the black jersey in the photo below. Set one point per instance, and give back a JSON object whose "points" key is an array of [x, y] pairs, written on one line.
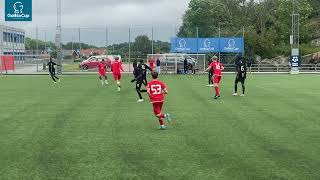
{"points": [[211, 69], [144, 68], [241, 70], [135, 65], [138, 74], [51, 65]]}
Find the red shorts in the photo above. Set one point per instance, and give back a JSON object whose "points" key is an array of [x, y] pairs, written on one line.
{"points": [[157, 108], [117, 77], [102, 73], [216, 79]]}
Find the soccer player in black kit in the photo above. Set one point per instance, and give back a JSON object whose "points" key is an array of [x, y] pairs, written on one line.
{"points": [[241, 69], [52, 70], [139, 77], [144, 68], [210, 77]]}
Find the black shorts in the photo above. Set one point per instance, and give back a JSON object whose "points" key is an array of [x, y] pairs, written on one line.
{"points": [[52, 71], [240, 79], [139, 83]]}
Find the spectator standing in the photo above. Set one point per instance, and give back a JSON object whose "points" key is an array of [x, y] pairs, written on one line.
{"points": [[158, 63], [185, 66]]}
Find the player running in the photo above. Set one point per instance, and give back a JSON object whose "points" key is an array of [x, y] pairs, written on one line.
{"points": [[241, 76], [116, 69], [103, 72], [217, 71], [156, 91], [138, 77], [52, 70], [151, 64], [144, 68]]}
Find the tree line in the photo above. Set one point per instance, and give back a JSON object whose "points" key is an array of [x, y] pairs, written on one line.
{"points": [[266, 23], [138, 49]]}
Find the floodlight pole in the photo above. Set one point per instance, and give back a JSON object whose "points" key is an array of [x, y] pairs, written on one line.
{"points": [[106, 40], [58, 37], [197, 44], [219, 43], [45, 40], [37, 48], [243, 35], [152, 45], [295, 36], [79, 34], [129, 46]]}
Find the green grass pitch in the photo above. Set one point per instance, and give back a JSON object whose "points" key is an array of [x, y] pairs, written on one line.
{"points": [[80, 130]]}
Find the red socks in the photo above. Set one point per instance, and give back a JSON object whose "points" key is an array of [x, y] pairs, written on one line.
{"points": [[161, 122], [217, 91], [162, 116]]}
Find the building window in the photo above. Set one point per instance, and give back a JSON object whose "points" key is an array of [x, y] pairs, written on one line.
{"points": [[15, 39], [5, 36], [18, 38]]}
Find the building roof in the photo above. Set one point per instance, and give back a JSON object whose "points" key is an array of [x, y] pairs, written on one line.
{"points": [[12, 28], [97, 51]]}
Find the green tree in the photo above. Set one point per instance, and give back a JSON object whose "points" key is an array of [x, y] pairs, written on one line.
{"points": [[267, 22], [284, 10], [207, 16], [142, 45]]}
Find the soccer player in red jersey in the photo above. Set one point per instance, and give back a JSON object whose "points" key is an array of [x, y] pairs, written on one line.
{"points": [[217, 71], [151, 62], [102, 72], [156, 90], [116, 69]]}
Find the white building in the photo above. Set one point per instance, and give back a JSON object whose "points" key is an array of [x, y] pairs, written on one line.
{"points": [[12, 42]]}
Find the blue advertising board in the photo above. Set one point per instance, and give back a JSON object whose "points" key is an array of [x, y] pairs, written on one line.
{"points": [[184, 45], [18, 10], [234, 45], [295, 61], [207, 45]]}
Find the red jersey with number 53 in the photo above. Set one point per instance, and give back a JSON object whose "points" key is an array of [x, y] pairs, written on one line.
{"points": [[155, 87], [217, 68]]}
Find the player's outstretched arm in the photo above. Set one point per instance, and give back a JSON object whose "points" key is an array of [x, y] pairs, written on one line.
{"points": [[207, 69], [148, 67]]}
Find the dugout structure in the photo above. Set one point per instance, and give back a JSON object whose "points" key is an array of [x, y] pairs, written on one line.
{"points": [[173, 63]]}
